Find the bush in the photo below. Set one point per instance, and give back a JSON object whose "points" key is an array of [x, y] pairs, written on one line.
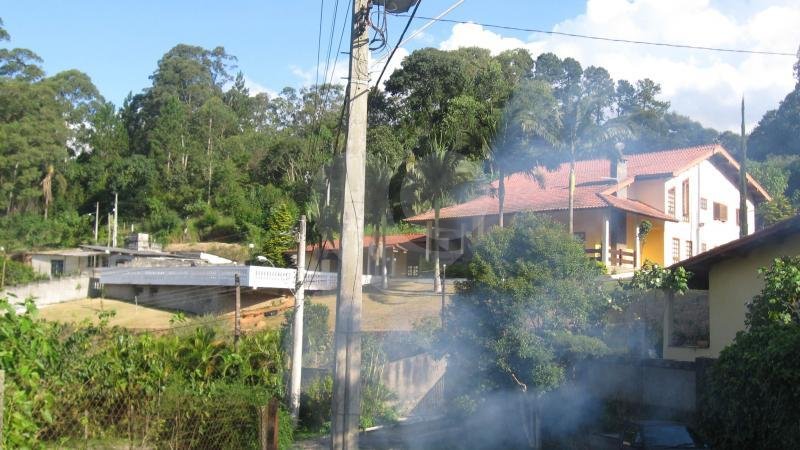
{"points": [[67, 384], [18, 273], [753, 391]]}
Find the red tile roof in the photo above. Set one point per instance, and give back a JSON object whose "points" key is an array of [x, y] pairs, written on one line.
{"points": [[391, 241], [593, 185]]}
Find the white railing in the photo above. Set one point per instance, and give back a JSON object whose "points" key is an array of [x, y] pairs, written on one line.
{"points": [[249, 276]]}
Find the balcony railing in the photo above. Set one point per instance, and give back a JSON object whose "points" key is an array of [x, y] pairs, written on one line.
{"points": [[617, 258]]}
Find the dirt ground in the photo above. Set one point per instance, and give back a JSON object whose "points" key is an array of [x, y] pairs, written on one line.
{"points": [[127, 314], [398, 308]]}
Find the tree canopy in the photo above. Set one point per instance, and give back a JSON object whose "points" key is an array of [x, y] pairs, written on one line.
{"points": [[196, 155]]}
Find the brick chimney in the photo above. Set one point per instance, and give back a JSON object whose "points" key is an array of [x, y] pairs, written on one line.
{"points": [[619, 171]]}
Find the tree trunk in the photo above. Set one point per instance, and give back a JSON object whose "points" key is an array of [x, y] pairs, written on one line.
{"points": [[376, 261], [437, 282], [530, 415], [571, 211], [210, 150], [501, 197], [384, 268]]}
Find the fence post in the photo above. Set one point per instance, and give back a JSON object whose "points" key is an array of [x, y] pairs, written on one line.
{"points": [[2, 402], [268, 426]]}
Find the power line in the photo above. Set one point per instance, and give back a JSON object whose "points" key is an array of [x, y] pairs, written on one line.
{"points": [[604, 38], [399, 41], [319, 41]]}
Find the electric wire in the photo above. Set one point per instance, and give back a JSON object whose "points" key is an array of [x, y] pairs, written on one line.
{"points": [[405, 29], [605, 38]]}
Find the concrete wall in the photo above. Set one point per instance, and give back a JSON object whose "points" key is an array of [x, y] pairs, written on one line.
{"points": [[73, 265], [191, 299], [49, 292], [417, 382], [664, 386]]}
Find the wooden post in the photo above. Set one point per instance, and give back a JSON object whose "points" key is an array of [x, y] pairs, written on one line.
{"points": [[2, 402], [268, 426], [237, 317]]}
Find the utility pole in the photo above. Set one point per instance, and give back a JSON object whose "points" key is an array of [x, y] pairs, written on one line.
{"points": [[444, 290], [96, 220], [346, 406], [108, 234], [3, 284], [743, 228], [116, 216], [237, 314], [297, 326]]}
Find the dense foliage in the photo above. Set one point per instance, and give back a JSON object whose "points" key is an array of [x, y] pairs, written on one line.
{"points": [[196, 155], [106, 384], [753, 389], [18, 273], [524, 317]]}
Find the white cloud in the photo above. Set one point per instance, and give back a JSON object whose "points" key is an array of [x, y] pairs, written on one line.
{"points": [[705, 85], [256, 88]]}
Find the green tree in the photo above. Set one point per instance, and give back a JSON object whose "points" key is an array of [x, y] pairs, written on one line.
{"points": [[778, 131], [435, 178], [523, 318]]}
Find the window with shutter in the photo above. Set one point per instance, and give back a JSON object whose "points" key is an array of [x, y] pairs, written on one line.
{"points": [[720, 212], [685, 200], [676, 250], [671, 202]]}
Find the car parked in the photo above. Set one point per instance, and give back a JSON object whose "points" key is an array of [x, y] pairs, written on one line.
{"points": [[649, 434]]}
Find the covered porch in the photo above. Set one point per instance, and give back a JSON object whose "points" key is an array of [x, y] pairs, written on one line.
{"points": [[620, 239]]}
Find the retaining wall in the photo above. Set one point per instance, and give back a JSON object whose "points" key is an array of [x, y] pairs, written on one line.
{"points": [[50, 292]]}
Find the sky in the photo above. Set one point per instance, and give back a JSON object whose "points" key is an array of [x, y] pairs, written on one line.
{"points": [[276, 42]]}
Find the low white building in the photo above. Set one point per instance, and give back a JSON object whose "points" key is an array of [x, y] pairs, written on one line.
{"points": [[66, 262]]}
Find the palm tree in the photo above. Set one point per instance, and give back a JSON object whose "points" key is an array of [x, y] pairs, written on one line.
{"points": [[510, 139], [378, 209], [435, 177], [582, 132], [47, 186]]}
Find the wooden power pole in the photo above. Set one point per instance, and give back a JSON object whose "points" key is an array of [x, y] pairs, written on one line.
{"points": [[297, 325], [743, 228], [116, 216], [347, 335]]}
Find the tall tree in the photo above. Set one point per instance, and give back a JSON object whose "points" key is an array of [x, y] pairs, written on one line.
{"points": [[522, 321], [435, 178], [584, 99]]}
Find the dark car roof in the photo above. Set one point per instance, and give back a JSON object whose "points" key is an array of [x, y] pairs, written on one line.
{"points": [[650, 423]]}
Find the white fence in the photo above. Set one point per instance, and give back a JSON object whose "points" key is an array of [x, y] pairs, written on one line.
{"points": [[249, 276]]}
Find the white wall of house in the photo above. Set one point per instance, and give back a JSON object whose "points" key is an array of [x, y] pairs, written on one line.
{"points": [[648, 191], [704, 232], [73, 265]]}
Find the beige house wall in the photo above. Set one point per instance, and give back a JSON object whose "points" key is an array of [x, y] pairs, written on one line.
{"points": [[73, 265], [732, 284]]}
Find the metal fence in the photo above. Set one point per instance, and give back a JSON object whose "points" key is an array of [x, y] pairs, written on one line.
{"points": [[174, 419]]}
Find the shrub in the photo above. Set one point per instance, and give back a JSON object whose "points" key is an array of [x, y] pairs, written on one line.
{"points": [[753, 390]]}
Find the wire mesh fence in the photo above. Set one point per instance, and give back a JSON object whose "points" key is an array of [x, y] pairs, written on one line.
{"points": [[226, 418]]}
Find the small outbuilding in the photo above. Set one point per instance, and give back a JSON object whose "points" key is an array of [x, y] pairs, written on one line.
{"points": [[729, 274]]}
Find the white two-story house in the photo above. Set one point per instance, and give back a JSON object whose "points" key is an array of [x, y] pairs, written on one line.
{"points": [[689, 197]]}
